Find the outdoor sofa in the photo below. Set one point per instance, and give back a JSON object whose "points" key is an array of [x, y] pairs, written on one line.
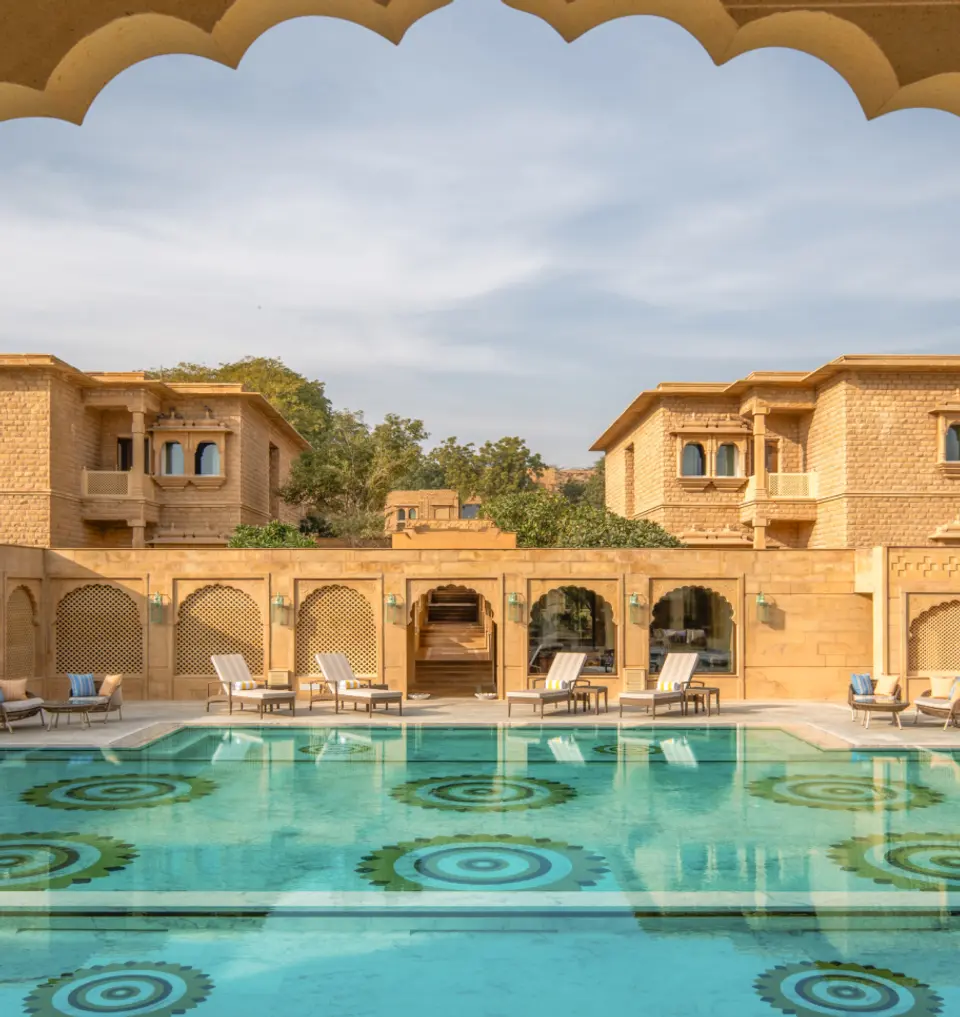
{"points": [[941, 700], [18, 703]]}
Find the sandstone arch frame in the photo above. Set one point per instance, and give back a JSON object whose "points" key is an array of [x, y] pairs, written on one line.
{"points": [[56, 57]]}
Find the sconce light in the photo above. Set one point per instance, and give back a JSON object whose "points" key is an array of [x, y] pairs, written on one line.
{"points": [[637, 603], [394, 608], [157, 608], [515, 607], [279, 610], [764, 609]]}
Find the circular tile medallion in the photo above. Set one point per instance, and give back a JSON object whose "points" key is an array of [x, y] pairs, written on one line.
{"points": [[835, 989], [843, 792], [477, 862], [52, 861], [629, 750], [121, 990], [119, 791], [483, 793], [336, 750], [909, 861]]}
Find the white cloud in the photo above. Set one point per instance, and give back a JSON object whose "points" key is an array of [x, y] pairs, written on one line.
{"points": [[483, 227]]}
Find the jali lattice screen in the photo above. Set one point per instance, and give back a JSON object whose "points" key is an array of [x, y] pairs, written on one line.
{"points": [[98, 629], [336, 619], [933, 644], [218, 619], [21, 635]]}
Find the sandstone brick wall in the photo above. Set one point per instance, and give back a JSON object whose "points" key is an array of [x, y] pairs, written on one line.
{"points": [[820, 631], [75, 445], [25, 458]]}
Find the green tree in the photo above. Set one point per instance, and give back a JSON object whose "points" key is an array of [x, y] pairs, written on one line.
{"points": [[303, 402], [273, 534], [346, 477], [546, 519], [595, 490], [496, 468]]}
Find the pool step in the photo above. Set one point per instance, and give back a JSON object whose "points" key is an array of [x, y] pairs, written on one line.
{"points": [[453, 678]]}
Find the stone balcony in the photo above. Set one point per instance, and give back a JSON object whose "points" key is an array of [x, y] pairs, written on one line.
{"points": [[116, 495], [790, 497]]}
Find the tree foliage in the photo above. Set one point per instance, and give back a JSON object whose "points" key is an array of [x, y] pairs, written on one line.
{"points": [[273, 534], [496, 468], [303, 402], [547, 519]]}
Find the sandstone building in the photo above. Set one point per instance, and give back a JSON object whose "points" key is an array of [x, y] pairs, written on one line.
{"points": [[863, 451], [123, 460]]}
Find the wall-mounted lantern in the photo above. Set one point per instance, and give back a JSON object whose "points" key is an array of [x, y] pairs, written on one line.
{"points": [[764, 609], [394, 605], [515, 607], [637, 603], [157, 608], [279, 610]]}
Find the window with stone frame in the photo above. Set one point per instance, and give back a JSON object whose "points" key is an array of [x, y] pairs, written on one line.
{"points": [[693, 461], [728, 460]]}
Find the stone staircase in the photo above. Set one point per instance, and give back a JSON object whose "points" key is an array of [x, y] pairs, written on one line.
{"points": [[453, 679], [453, 655]]}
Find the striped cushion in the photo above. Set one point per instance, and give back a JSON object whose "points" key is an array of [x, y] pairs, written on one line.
{"points": [[862, 686], [348, 683], [557, 683], [244, 686], [81, 685]]}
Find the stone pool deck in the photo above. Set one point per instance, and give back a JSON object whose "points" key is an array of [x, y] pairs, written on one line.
{"points": [[824, 724]]}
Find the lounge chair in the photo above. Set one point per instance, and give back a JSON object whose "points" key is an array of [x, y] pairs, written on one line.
{"points": [[865, 690], [941, 700], [237, 686], [347, 687], [20, 709], [109, 697], [675, 676], [557, 685]]}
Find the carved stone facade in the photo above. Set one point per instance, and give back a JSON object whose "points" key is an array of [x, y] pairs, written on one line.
{"points": [[860, 452], [122, 460]]}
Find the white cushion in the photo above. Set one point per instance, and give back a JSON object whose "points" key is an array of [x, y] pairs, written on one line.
{"points": [[937, 704], [262, 694], [652, 694], [18, 705], [367, 693], [539, 694]]}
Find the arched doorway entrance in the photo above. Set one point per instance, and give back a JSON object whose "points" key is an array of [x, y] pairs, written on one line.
{"points": [[452, 647]]}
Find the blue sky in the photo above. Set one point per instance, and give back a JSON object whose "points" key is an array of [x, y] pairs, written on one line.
{"points": [[484, 227]]}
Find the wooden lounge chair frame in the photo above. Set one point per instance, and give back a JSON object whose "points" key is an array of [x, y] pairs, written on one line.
{"points": [[677, 666], [563, 667], [335, 668], [230, 668]]}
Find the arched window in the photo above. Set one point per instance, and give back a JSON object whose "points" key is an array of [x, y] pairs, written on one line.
{"points": [[694, 461], [401, 515], [412, 514], [172, 461], [693, 618], [206, 461], [952, 451], [728, 461], [572, 619]]}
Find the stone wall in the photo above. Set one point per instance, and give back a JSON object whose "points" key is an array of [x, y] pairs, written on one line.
{"points": [[821, 629], [25, 458]]}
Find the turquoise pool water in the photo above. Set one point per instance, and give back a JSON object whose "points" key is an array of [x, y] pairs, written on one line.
{"points": [[496, 871]]}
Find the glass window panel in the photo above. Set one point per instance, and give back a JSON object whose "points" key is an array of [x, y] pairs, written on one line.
{"points": [[693, 618], [572, 619], [727, 461], [173, 459], [693, 461], [953, 444], [207, 460]]}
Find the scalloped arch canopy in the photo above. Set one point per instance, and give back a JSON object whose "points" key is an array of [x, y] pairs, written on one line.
{"points": [[56, 56]]}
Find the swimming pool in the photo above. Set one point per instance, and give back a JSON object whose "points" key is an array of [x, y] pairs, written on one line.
{"points": [[517, 870]]}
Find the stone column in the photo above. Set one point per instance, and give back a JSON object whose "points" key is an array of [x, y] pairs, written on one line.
{"points": [[138, 539], [759, 477]]}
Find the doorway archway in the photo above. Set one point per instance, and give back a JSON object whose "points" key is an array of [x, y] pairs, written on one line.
{"points": [[452, 643]]}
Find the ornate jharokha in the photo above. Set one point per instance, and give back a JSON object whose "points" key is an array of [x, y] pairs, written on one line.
{"points": [[56, 56]]}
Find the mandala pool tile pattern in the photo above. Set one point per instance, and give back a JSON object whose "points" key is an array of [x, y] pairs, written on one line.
{"points": [[483, 793], [133, 987], [563, 845], [126, 791]]}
